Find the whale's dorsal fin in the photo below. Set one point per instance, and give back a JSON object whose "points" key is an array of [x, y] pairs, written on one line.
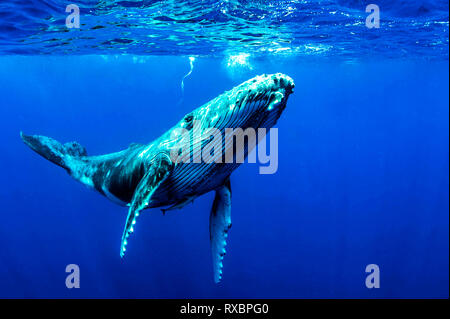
{"points": [[219, 224], [156, 174]]}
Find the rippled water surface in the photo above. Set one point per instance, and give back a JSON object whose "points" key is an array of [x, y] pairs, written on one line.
{"points": [[300, 27]]}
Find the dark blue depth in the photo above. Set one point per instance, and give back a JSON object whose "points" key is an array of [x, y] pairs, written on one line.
{"points": [[363, 178]]}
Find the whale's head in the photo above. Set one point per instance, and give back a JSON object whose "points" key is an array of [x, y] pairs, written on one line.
{"points": [[256, 103], [250, 109]]}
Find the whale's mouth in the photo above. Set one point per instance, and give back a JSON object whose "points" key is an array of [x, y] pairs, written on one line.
{"points": [[263, 98]]}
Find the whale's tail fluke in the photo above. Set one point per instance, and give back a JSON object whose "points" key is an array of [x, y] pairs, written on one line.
{"points": [[54, 151]]}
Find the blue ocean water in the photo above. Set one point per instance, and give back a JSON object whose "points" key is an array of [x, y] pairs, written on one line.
{"points": [[363, 175]]}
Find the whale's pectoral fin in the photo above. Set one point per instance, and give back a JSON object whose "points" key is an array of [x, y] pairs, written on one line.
{"points": [[157, 173], [219, 224]]}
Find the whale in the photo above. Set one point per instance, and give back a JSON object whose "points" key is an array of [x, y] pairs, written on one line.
{"points": [[162, 175]]}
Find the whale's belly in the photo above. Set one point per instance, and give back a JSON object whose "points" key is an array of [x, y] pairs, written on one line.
{"points": [[191, 180]]}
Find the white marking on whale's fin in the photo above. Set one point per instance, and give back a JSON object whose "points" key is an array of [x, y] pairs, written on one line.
{"points": [[157, 173], [219, 224]]}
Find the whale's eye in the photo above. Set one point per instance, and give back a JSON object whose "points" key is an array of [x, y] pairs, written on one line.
{"points": [[188, 119]]}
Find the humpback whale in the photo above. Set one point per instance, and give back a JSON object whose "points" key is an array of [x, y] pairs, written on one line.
{"points": [[147, 176]]}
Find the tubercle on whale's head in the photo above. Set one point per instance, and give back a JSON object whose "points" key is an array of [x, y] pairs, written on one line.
{"points": [[276, 87], [271, 82], [255, 103]]}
